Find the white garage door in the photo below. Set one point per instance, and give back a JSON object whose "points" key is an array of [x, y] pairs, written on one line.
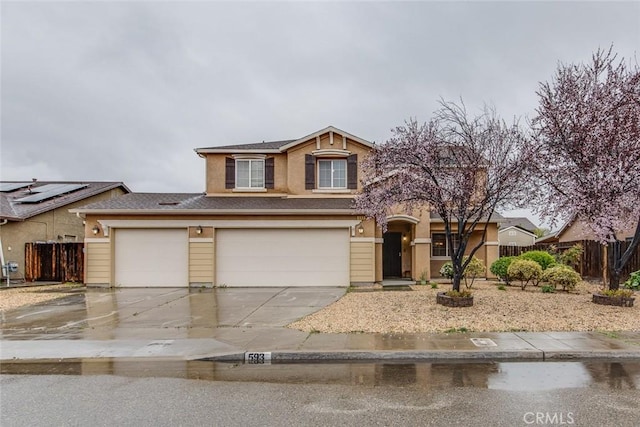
{"points": [[282, 257], [151, 257]]}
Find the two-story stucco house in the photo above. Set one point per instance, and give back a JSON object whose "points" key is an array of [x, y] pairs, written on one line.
{"points": [[273, 214]]}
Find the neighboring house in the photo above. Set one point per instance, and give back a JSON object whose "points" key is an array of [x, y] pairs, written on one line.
{"points": [[273, 214], [574, 230], [38, 211], [515, 236]]}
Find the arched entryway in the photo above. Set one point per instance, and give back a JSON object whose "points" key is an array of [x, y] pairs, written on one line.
{"points": [[397, 248]]}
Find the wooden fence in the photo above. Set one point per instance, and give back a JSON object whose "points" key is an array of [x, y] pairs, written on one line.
{"points": [[55, 262], [592, 263]]}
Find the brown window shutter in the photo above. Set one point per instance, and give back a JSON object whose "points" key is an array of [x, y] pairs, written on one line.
{"points": [[352, 172], [309, 172], [268, 172], [230, 173]]}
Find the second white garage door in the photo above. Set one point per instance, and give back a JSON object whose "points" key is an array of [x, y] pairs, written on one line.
{"points": [[151, 257], [282, 257]]}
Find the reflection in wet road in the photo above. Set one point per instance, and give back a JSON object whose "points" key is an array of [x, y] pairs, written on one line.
{"points": [[514, 376]]}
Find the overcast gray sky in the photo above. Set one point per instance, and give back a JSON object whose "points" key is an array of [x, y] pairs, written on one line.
{"points": [[125, 90]]}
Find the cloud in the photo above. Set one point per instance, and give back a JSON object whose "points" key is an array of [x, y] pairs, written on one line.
{"points": [[125, 91]]}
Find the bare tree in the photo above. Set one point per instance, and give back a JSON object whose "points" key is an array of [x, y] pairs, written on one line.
{"points": [[459, 167], [588, 130]]}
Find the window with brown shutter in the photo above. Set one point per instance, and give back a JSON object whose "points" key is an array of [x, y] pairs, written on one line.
{"points": [[309, 172], [269, 172], [352, 172], [230, 173]]}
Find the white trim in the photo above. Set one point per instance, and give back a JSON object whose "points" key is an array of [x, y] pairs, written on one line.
{"points": [[200, 239], [422, 240], [363, 240], [379, 240], [170, 212], [407, 218], [250, 159], [331, 152], [249, 156], [322, 132], [236, 151], [332, 191], [344, 142], [346, 174], [155, 223], [492, 243], [330, 137], [318, 142], [249, 190], [97, 240], [441, 258]]}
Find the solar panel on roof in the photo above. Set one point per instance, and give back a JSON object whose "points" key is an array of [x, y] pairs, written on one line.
{"points": [[47, 187], [59, 190], [6, 187]]}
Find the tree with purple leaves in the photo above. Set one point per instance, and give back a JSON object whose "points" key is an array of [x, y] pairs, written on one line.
{"points": [[461, 168], [588, 130]]}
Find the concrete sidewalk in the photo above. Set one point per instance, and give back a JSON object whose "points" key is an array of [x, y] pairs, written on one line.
{"points": [[228, 324]]}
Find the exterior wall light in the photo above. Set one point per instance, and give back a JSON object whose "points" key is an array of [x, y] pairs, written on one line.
{"points": [[199, 229], [95, 229], [360, 229]]}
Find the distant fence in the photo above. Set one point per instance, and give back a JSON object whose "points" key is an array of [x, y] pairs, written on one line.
{"points": [[592, 262], [55, 262]]}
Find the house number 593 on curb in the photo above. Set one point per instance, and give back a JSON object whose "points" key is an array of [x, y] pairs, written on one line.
{"points": [[257, 358]]}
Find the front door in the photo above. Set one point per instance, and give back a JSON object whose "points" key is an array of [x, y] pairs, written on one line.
{"points": [[392, 255]]}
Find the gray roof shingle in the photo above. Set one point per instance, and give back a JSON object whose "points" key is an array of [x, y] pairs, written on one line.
{"points": [[199, 202], [254, 146], [16, 211]]}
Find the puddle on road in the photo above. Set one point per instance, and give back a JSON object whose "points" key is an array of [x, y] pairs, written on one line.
{"points": [[513, 376]]}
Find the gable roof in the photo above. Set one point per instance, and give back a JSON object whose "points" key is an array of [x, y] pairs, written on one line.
{"points": [[278, 146], [522, 230], [199, 203], [521, 222], [15, 207]]}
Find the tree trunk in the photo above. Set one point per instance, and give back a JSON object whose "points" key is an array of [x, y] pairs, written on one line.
{"points": [[614, 265], [456, 280]]}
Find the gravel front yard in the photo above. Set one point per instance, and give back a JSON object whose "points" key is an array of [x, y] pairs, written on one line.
{"points": [[493, 311], [19, 297]]}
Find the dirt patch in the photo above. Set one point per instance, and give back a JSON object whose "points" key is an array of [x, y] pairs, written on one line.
{"points": [[493, 310]]}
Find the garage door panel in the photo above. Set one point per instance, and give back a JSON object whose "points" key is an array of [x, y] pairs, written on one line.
{"points": [[151, 257], [286, 257]]}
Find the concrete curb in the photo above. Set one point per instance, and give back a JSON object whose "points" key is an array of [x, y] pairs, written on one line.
{"points": [[427, 356]]}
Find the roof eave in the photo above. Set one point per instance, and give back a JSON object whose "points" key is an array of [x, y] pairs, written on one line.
{"points": [[213, 211], [322, 132], [201, 151]]}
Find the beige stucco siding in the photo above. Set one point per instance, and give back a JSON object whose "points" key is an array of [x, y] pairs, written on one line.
{"points": [[362, 261], [98, 263], [201, 259]]}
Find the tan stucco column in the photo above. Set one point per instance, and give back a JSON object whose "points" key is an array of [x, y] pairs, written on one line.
{"points": [[492, 253], [422, 257]]}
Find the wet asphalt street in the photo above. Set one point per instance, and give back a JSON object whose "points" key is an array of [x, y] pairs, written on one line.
{"points": [[505, 394]]}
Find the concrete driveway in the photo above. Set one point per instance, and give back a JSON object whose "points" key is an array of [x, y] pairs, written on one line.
{"points": [[239, 314]]}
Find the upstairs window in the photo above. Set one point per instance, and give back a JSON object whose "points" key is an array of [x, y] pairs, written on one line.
{"points": [[332, 173], [250, 173]]}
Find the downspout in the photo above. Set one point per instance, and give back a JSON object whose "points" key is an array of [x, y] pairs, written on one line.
{"points": [[2, 222]]}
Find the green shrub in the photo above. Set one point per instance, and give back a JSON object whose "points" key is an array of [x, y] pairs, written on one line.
{"points": [[434, 285], [634, 281], [500, 266], [502, 288], [475, 269], [447, 270], [548, 289], [525, 271], [543, 258], [458, 294], [572, 256], [561, 275], [472, 271]]}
